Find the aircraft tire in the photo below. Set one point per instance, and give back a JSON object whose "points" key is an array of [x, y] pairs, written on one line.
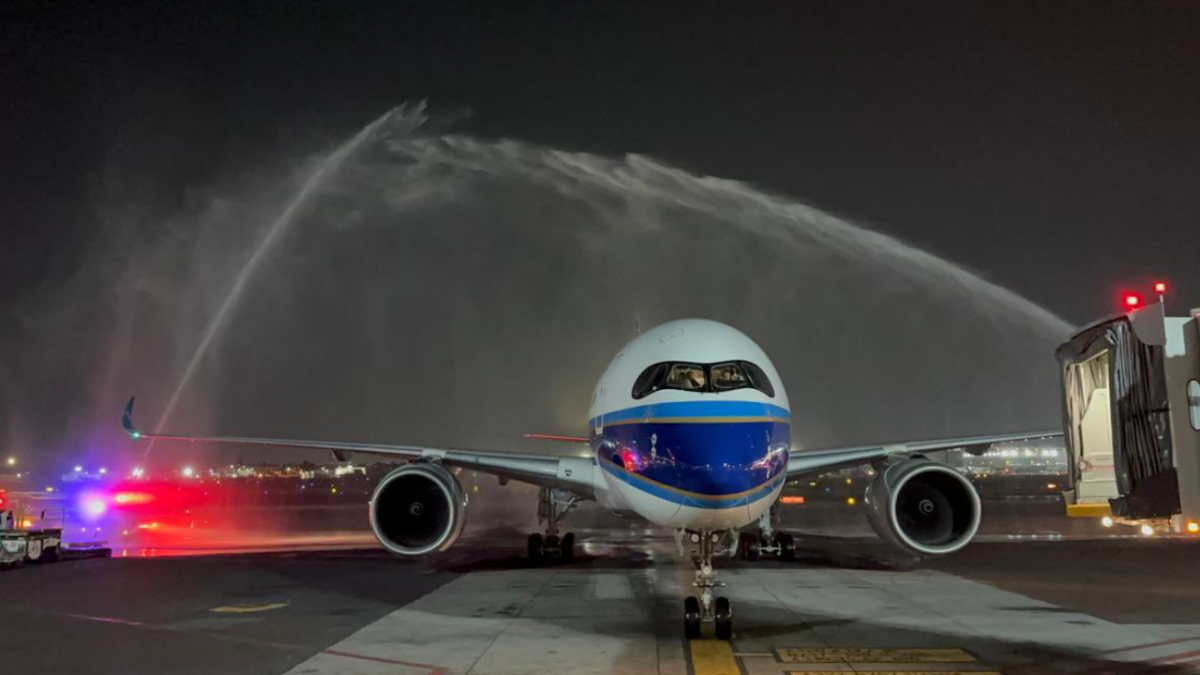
{"points": [[568, 547], [723, 619], [787, 547], [751, 551], [691, 618], [535, 547]]}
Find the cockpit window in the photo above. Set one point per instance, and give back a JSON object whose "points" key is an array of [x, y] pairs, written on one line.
{"points": [[715, 378], [726, 376], [687, 376], [759, 379]]}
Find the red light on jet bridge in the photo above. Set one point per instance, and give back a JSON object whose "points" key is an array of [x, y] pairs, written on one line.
{"points": [[1160, 288], [1133, 300]]}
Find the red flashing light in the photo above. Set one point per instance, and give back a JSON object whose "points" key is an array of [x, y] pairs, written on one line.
{"points": [[1160, 288], [1133, 300], [3, 501], [132, 498]]}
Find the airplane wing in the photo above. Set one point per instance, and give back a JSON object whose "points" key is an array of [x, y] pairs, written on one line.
{"points": [[807, 462], [573, 473]]}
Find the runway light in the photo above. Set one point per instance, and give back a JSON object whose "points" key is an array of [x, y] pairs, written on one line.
{"points": [[1106, 521], [1147, 531], [1193, 527], [851, 501]]}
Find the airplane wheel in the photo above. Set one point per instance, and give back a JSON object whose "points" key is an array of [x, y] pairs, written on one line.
{"points": [[535, 546], [691, 618], [751, 552], [787, 547], [723, 619], [568, 546], [743, 539]]}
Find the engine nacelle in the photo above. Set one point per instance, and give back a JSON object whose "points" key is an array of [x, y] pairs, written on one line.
{"points": [[923, 506], [418, 509]]}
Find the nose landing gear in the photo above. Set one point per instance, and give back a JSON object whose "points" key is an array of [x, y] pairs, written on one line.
{"points": [[705, 609]]}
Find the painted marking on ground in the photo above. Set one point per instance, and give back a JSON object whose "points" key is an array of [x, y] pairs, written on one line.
{"points": [[851, 655], [713, 657], [247, 609], [899, 671]]}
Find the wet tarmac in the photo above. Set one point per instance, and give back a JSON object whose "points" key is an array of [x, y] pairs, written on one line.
{"points": [[1035, 595]]}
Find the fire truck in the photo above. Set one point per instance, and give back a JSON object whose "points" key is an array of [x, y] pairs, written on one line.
{"points": [[1131, 418]]}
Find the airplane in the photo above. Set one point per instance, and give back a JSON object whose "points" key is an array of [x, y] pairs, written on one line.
{"points": [[689, 428]]}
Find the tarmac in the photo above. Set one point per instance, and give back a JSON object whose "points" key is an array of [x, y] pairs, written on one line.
{"points": [[1045, 602]]}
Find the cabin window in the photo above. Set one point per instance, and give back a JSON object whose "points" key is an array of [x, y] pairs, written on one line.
{"points": [[1193, 393]]}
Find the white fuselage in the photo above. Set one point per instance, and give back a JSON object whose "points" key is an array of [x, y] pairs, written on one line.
{"points": [[704, 452]]}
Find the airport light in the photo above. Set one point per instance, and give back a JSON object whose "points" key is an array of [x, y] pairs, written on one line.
{"points": [[851, 501], [103, 471], [78, 469], [188, 472], [137, 472], [11, 461], [1133, 300], [1193, 527], [1147, 530], [1106, 521], [95, 507]]}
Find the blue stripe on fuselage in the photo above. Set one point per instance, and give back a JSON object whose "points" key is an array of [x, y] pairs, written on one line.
{"points": [[709, 454], [699, 408], [676, 497]]}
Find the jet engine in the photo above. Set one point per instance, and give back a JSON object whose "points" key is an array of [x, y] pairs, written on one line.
{"points": [[418, 509], [923, 507]]}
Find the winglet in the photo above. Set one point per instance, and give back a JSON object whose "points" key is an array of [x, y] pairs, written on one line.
{"points": [[127, 421]]}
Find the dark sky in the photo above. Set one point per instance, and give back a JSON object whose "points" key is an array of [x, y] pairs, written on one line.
{"points": [[1052, 147]]}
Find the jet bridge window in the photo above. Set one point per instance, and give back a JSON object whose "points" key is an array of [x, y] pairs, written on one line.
{"points": [[1193, 393]]}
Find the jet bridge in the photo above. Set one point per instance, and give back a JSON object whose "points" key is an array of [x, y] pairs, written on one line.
{"points": [[1131, 409]]}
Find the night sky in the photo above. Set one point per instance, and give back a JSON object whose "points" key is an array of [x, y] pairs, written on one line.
{"points": [[1054, 148]]}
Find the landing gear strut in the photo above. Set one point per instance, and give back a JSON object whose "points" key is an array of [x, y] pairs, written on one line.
{"points": [[553, 505], [706, 608], [767, 542]]}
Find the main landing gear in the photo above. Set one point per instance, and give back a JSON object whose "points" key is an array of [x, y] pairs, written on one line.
{"points": [[704, 609], [752, 546], [553, 505]]}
